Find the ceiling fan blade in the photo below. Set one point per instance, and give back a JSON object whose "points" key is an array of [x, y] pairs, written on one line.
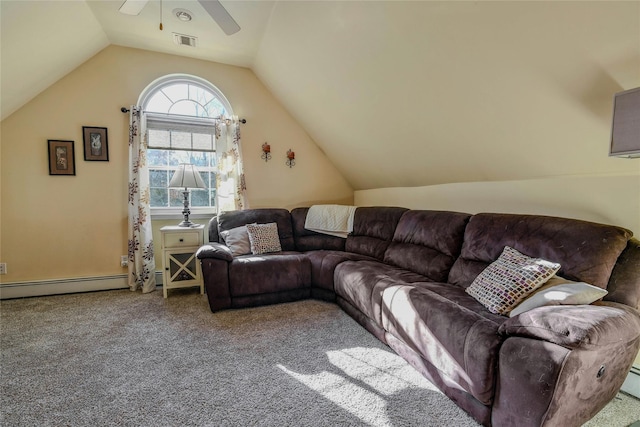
{"points": [[220, 15], [132, 7]]}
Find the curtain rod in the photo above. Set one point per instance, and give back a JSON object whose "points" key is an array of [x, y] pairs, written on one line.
{"points": [[126, 110]]}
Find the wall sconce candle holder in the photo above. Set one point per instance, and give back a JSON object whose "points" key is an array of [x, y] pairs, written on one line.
{"points": [[291, 158], [266, 152]]}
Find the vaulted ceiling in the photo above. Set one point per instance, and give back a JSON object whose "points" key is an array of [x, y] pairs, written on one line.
{"points": [[44, 40], [396, 93]]}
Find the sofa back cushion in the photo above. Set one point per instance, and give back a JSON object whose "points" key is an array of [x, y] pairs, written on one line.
{"points": [[233, 219], [427, 242], [585, 250], [373, 229], [307, 240], [624, 283], [213, 230]]}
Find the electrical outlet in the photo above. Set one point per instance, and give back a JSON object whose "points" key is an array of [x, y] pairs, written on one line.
{"points": [[124, 261], [3, 268]]}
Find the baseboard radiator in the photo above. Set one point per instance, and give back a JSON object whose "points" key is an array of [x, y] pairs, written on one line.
{"points": [[632, 383], [39, 288], [104, 283]]}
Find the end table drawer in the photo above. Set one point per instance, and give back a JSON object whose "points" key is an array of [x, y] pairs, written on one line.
{"points": [[177, 240]]}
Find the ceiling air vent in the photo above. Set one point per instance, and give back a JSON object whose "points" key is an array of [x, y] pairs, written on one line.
{"points": [[184, 40]]}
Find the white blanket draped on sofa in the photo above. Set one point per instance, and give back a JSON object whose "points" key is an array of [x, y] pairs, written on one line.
{"points": [[334, 220]]}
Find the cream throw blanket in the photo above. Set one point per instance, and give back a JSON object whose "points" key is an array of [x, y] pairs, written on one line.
{"points": [[335, 220]]}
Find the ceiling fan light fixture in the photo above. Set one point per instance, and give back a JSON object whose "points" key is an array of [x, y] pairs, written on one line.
{"points": [[183, 15]]}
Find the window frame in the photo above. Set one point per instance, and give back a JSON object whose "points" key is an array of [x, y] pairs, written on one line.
{"points": [[147, 94], [169, 212]]}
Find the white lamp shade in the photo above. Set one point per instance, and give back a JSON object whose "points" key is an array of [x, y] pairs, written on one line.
{"points": [[187, 177]]}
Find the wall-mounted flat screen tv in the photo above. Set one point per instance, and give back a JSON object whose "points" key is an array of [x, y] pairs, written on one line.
{"points": [[625, 129]]}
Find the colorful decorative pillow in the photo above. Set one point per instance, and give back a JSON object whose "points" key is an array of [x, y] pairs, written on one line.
{"points": [[510, 279], [237, 239], [264, 238], [560, 291]]}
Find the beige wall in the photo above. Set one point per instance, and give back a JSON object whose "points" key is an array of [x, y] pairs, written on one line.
{"points": [[609, 199], [66, 227], [415, 93]]}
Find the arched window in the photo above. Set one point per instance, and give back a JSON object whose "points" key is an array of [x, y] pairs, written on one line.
{"points": [[180, 113]]}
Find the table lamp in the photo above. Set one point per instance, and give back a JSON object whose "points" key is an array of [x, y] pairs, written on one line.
{"points": [[186, 177]]}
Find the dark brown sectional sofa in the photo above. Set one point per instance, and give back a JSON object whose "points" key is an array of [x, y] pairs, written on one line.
{"points": [[402, 274]]}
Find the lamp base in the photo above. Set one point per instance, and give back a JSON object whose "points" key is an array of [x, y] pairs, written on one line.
{"points": [[185, 211]]}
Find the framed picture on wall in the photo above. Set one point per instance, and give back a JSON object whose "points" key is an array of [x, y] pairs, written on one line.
{"points": [[61, 157], [96, 146]]}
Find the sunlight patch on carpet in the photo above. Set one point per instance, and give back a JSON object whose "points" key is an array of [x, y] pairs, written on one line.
{"points": [[362, 381]]}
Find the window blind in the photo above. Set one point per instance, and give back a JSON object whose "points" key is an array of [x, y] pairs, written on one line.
{"points": [[180, 133]]}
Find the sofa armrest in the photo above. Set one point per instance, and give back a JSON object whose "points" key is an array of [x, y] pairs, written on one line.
{"points": [[215, 250], [578, 326], [563, 363]]}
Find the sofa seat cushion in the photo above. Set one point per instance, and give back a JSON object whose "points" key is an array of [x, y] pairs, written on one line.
{"points": [[361, 284], [458, 296], [324, 263], [267, 273], [450, 330]]}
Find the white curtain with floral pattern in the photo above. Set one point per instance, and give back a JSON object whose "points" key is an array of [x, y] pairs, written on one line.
{"points": [[230, 186], [141, 261]]}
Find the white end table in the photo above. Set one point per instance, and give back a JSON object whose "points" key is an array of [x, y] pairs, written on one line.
{"points": [[180, 266]]}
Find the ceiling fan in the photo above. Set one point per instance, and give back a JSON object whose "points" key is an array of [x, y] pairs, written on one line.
{"points": [[213, 7]]}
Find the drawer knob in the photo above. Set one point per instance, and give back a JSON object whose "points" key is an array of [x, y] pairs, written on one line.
{"points": [[182, 240]]}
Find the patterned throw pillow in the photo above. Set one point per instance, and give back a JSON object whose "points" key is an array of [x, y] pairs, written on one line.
{"points": [[264, 238], [509, 279]]}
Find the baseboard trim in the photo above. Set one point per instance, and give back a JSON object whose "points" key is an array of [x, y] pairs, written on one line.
{"points": [[632, 383], [39, 288]]}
